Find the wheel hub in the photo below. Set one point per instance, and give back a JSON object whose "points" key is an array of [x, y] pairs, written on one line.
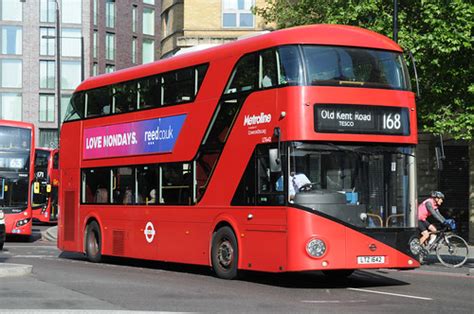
{"points": [[225, 254]]}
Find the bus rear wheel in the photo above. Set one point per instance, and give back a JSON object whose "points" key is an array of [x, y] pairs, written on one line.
{"points": [[225, 253], [93, 243]]}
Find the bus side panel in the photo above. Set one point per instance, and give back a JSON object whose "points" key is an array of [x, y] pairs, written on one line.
{"points": [[186, 241], [264, 239], [304, 226], [69, 227]]}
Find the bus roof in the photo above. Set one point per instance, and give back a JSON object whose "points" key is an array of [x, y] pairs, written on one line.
{"points": [[17, 124], [321, 34]]}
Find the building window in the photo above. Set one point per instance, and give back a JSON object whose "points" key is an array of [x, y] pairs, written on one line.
{"points": [[110, 13], [166, 24], [152, 2], [95, 69], [134, 50], [95, 10], [148, 21], [11, 10], [134, 18], [237, 13], [109, 46], [10, 106], [95, 39], [71, 12], [47, 11], [70, 74], [109, 68], [11, 73], [47, 73], [71, 42], [47, 41], [48, 138], [46, 108], [10, 40], [148, 51]]}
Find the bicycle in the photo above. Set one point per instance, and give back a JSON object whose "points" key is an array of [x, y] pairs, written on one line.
{"points": [[451, 250]]}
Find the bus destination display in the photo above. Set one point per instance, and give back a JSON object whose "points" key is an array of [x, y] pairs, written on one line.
{"points": [[358, 119]]}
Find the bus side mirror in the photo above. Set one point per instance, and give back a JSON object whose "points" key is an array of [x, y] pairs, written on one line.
{"points": [[36, 187], [275, 163], [48, 188]]}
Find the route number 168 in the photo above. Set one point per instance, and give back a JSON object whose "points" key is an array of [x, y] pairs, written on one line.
{"points": [[392, 121]]}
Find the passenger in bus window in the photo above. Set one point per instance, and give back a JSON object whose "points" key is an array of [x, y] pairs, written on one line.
{"points": [[266, 81], [152, 197], [128, 196], [101, 195]]}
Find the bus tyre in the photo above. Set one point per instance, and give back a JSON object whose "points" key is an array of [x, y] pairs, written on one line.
{"points": [[93, 243], [338, 273], [225, 253]]}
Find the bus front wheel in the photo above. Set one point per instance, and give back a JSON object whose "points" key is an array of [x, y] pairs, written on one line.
{"points": [[93, 243], [225, 253]]}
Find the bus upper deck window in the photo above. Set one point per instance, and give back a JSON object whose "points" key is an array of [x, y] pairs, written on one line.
{"points": [[290, 70], [98, 102], [244, 76]]}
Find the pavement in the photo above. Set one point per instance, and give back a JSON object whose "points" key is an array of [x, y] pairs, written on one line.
{"points": [[14, 270]]}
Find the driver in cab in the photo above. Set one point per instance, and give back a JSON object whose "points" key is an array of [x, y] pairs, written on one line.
{"points": [[298, 182]]}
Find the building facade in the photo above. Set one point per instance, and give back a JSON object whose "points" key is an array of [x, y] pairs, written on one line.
{"points": [[192, 23], [97, 36]]}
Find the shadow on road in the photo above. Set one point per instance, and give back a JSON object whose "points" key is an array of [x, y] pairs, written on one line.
{"points": [[35, 236], [312, 279]]}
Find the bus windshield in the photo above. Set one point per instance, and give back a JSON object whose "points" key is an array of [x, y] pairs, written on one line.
{"points": [[356, 67], [14, 192], [15, 146], [365, 186]]}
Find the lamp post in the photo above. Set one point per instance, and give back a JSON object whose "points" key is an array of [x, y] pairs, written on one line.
{"points": [[395, 21], [58, 65]]}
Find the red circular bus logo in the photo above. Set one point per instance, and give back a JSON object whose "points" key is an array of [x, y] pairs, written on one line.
{"points": [[149, 232]]}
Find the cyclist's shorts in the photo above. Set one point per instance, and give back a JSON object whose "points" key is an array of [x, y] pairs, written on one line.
{"points": [[423, 225]]}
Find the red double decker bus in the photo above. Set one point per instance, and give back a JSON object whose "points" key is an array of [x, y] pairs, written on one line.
{"points": [[16, 172], [46, 184], [288, 151]]}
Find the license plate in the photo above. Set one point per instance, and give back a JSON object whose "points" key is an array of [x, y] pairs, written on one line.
{"points": [[370, 259]]}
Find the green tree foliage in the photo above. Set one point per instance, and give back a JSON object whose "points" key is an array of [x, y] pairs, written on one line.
{"points": [[437, 32]]}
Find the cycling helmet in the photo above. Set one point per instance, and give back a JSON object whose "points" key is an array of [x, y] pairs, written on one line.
{"points": [[437, 194]]}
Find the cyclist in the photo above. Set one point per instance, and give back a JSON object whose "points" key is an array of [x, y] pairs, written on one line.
{"points": [[430, 207]]}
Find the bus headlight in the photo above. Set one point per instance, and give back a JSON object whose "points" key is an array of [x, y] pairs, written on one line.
{"points": [[316, 248], [22, 222], [2, 215]]}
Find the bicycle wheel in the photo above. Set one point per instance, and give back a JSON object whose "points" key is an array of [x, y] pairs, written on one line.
{"points": [[452, 251]]}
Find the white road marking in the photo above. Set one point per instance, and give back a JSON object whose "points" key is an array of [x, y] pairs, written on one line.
{"points": [[333, 301], [389, 293]]}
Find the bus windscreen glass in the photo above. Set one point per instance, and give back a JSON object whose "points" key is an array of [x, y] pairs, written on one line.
{"points": [[15, 146], [356, 67], [365, 186]]}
